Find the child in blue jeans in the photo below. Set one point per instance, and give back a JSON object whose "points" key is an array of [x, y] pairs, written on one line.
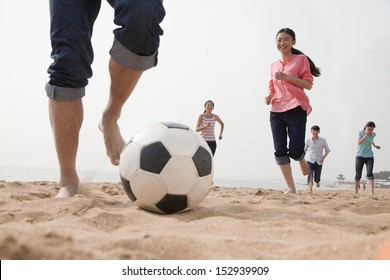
{"points": [[365, 155], [317, 148]]}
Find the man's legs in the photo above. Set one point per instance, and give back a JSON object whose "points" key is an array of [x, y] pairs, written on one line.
{"points": [[123, 82], [134, 51], [70, 33], [66, 118]]}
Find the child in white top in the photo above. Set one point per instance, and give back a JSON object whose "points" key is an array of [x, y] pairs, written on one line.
{"points": [[318, 150]]}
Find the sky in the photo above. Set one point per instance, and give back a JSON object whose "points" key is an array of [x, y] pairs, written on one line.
{"points": [[219, 50]]}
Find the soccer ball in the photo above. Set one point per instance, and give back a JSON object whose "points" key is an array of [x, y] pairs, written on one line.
{"points": [[166, 168]]}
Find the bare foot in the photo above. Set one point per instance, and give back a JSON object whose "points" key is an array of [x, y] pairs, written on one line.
{"points": [[67, 191], [310, 187], [289, 191], [318, 185], [304, 167], [357, 187], [113, 140]]}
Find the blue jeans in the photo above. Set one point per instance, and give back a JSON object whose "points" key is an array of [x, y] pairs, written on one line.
{"points": [[135, 46], [291, 124], [315, 172], [359, 163]]}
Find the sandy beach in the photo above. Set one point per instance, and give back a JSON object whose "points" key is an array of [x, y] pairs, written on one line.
{"points": [[100, 222]]}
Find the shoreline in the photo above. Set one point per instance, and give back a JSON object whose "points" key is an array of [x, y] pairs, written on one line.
{"points": [[30, 174]]}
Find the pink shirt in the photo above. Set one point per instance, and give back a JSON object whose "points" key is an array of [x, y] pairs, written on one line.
{"points": [[287, 95]]}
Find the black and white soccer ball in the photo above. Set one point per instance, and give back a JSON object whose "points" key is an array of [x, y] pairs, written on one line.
{"points": [[166, 168]]}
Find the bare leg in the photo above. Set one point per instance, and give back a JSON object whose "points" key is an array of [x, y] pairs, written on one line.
{"points": [[66, 119], [310, 183], [310, 178], [357, 186], [123, 82], [371, 183], [287, 174]]}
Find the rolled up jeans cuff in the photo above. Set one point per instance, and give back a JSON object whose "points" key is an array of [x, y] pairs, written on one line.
{"points": [[64, 93], [131, 60], [282, 160], [301, 157]]}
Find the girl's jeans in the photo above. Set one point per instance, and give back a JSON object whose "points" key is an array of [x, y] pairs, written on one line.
{"points": [[291, 124], [359, 163]]}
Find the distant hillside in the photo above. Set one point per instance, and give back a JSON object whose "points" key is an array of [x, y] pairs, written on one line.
{"points": [[383, 175]]}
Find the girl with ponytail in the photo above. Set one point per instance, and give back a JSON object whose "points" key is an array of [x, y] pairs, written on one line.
{"points": [[290, 106], [206, 125]]}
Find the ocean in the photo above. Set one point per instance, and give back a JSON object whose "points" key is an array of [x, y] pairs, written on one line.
{"points": [[28, 174]]}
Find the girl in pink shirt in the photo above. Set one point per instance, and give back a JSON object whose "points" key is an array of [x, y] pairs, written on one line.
{"points": [[289, 104]]}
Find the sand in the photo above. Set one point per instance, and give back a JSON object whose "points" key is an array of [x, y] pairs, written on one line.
{"points": [[100, 223]]}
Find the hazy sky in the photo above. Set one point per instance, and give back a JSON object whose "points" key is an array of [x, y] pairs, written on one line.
{"points": [[211, 49]]}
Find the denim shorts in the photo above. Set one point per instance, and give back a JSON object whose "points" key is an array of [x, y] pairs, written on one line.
{"points": [[288, 132], [135, 41]]}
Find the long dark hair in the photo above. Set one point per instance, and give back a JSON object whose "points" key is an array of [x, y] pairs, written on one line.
{"points": [[315, 71], [369, 124], [206, 104]]}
